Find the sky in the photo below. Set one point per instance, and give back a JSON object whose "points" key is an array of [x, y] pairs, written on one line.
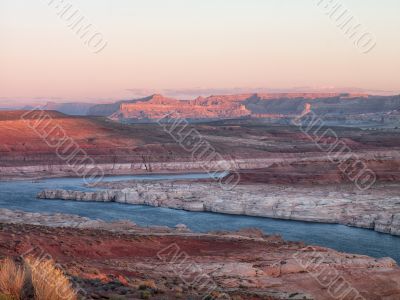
{"points": [[193, 45]]}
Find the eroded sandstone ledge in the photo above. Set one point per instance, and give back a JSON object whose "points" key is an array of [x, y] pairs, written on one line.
{"points": [[377, 208], [60, 220]]}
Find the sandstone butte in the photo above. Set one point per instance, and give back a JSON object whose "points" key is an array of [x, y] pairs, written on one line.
{"points": [[283, 105]]}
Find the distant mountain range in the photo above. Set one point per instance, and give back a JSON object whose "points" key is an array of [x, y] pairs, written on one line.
{"points": [[281, 105], [253, 105], [75, 108]]}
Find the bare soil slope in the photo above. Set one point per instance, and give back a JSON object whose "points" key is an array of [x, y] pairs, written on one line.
{"points": [[245, 265]]}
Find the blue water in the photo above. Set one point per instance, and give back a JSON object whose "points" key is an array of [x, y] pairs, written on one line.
{"points": [[21, 195]]}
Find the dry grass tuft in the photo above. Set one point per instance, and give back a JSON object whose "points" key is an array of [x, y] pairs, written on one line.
{"points": [[49, 282], [12, 279]]}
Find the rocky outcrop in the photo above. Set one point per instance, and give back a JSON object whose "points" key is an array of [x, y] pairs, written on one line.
{"points": [[108, 109], [158, 106], [243, 265], [52, 220], [59, 220], [377, 208]]}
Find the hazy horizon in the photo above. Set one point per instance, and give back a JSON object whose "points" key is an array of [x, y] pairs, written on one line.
{"points": [[191, 46], [182, 94]]}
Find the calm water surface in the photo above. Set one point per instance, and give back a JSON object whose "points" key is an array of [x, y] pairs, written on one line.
{"points": [[21, 195]]}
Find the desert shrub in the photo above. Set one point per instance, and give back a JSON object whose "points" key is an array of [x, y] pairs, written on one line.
{"points": [[49, 282], [178, 295], [6, 297], [12, 279], [147, 284], [145, 295]]}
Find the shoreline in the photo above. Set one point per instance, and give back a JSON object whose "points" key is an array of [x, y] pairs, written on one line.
{"points": [[47, 171], [324, 205], [165, 173], [243, 263]]}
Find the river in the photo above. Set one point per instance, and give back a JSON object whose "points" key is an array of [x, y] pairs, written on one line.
{"points": [[21, 195]]}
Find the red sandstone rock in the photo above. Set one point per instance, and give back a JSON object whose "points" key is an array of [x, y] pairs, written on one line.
{"points": [[250, 267]]}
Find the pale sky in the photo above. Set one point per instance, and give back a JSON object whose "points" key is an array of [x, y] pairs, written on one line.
{"points": [[186, 44]]}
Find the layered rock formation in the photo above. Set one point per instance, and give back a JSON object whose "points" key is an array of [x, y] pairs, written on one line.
{"points": [[283, 105], [377, 208], [157, 107]]}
